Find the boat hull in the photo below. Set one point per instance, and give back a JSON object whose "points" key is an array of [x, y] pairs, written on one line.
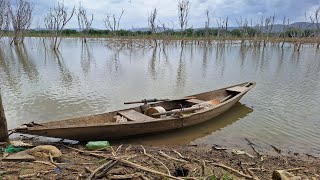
{"points": [[108, 131]]}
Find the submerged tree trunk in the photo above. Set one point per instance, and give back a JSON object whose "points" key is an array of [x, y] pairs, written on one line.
{"points": [[3, 124]]}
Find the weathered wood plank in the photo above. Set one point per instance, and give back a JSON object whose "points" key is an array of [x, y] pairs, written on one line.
{"points": [[135, 116], [237, 89], [196, 101]]}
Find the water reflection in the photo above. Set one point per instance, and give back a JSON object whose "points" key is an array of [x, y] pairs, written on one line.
{"points": [[25, 61], [39, 84], [181, 71], [152, 64], [8, 76], [67, 77], [87, 58], [191, 134], [204, 61]]}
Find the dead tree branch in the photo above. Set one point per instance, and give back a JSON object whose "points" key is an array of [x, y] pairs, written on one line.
{"points": [[20, 15], [55, 20], [84, 22], [152, 21], [111, 22], [4, 20], [183, 13]]}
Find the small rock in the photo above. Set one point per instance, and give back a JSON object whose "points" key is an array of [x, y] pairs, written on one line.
{"points": [[284, 175]]}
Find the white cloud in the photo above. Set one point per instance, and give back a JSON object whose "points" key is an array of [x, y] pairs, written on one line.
{"points": [[136, 11]]}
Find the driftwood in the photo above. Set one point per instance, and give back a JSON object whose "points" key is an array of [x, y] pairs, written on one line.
{"points": [[137, 166], [202, 167], [125, 162], [276, 149], [104, 168], [88, 170], [173, 158], [253, 148], [27, 175], [149, 155], [252, 174], [295, 169], [181, 156], [46, 163], [233, 170], [219, 148]]}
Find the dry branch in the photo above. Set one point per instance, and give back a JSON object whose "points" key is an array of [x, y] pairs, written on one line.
{"points": [[104, 168], [20, 14], [170, 157], [233, 170], [84, 22], [149, 155], [125, 162], [183, 13], [55, 20], [111, 22], [181, 156]]}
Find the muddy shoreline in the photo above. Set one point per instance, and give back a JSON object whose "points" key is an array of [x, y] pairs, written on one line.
{"points": [[159, 162]]}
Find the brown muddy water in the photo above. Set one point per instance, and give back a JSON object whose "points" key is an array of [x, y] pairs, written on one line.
{"points": [[282, 110]]}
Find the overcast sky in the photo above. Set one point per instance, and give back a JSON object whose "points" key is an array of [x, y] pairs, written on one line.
{"points": [[136, 11]]}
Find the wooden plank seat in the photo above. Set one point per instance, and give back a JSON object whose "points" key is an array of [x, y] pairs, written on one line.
{"points": [[133, 115], [195, 101], [237, 89]]}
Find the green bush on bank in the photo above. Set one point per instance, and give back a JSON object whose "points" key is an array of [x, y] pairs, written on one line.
{"points": [[190, 32]]}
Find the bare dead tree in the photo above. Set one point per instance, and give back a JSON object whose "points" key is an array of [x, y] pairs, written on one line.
{"points": [[243, 27], [55, 20], [152, 21], [222, 26], [4, 20], [183, 13], [20, 14], [226, 26], [111, 22], [268, 26], [207, 23], [152, 25], [84, 22], [219, 24], [285, 25], [163, 26], [316, 22]]}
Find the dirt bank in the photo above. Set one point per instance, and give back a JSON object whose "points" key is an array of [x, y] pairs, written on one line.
{"points": [[160, 162]]}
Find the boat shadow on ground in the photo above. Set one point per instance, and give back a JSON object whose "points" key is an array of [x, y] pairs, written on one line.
{"points": [[189, 134]]}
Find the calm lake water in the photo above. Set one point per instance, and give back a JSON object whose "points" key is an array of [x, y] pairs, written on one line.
{"points": [[282, 110]]}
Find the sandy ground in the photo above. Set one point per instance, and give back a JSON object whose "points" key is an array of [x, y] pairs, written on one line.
{"points": [[159, 162]]}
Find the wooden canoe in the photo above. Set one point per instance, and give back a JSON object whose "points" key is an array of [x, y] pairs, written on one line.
{"points": [[204, 107]]}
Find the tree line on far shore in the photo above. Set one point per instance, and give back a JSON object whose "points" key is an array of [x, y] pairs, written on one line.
{"points": [[16, 19], [190, 32]]}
